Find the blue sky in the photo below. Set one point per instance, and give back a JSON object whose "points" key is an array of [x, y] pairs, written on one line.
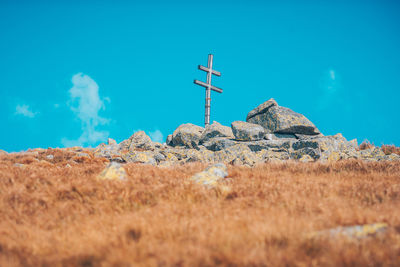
{"points": [[74, 73]]}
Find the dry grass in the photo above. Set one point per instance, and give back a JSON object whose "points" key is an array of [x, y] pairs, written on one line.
{"points": [[389, 149], [366, 145], [51, 215]]}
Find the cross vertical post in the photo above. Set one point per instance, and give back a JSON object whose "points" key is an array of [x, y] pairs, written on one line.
{"points": [[208, 87], [208, 91]]}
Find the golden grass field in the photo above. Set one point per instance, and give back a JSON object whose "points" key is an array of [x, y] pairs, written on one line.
{"points": [[52, 215]]}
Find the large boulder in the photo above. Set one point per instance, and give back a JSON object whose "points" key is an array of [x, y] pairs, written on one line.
{"points": [[277, 119], [245, 131], [140, 140], [187, 135], [215, 130], [261, 108]]}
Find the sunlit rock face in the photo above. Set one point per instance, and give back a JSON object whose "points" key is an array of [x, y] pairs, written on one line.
{"points": [[277, 119]]}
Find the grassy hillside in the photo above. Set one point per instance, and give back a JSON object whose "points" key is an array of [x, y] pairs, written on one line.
{"points": [[52, 214]]}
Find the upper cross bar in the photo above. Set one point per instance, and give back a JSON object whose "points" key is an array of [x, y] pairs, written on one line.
{"points": [[208, 70]]}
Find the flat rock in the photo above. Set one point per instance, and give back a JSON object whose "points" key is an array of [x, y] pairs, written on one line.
{"points": [[275, 145], [277, 136], [187, 135], [245, 131], [217, 144]]}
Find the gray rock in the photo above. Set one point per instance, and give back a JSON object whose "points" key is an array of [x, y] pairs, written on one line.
{"points": [[187, 135], [212, 177], [372, 154], [217, 144], [169, 140], [108, 151], [117, 159], [140, 140], [277, 136], [216, 130], [278, 155], [302, 148], [124, 145], [144, 157], [158, 145], [275, 145], [245, 131], [113, 171], [50, 157], [335, 144], [313, 153], [305, 143], [159, 157], [261, 108], [305, 136], [277, 119]]}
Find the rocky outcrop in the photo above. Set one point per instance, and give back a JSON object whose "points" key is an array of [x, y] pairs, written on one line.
{"points": [[277, 119], [280, 134], [244, 131], [187, 135]]}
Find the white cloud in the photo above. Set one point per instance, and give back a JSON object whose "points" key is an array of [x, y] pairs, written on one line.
{"points": [[330, 90], [157, 136], [86, 103], [332, 74], [330, 82], [25, 111]]}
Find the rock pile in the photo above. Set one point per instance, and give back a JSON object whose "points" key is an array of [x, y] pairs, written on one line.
{"points": [[270, 133]]}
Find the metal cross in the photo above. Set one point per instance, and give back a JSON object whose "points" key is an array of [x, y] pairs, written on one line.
{"points": [[208, 86]]}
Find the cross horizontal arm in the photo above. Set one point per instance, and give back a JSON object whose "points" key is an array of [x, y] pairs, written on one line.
{"points": [[212, 87], [207, 70]]}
